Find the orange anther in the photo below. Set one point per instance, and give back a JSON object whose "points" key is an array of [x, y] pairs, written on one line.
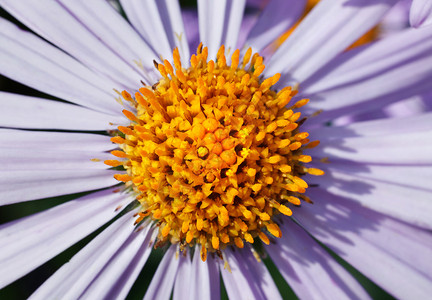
{"points": [[220, 134], [238, 242], [274, 230], [228, 143], [215, 242], [209, 138], [198, 131], [118, 140], [210, 124], [166, 230], [217, 148], [113, 163], [229, 156], [264, 238], [122, 177], [316, 172], [119, 153]]}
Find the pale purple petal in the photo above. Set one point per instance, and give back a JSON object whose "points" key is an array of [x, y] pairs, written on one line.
{"points": [[163, 280], [183, 281], [420, 13], [197, 279], [413, 106], [326, 31], [19, 186], [380, 127], [37, 113], [402, 148], [110, 27], [411, 176], [401, 201], [31, 61], [95, 46], [72, 279], [310, 271], [392, 254], [160, 24], [56, 140], [395, 20], [277, 17], [130, 266], [205, 278], [389, 70], [234, 16], [31, 241], [247, 278], [190, 20], [211, 18], [18, 159]]}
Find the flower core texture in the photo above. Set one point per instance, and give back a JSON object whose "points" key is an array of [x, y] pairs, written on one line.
{"points": [[212, 152]]}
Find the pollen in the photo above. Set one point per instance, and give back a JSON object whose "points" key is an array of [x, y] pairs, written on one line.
{"points": [[213, 153]]}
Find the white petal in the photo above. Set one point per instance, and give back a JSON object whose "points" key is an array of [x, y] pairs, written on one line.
{"points": [[211, 19], [392, 254], [71, 280], [95, 46], [110, 27], [161, 25], [248, 279], [19, 186], [420, 13], [197, 279], [389, 70], [129, 268], [122, 271], [326, 31], [56, 140], [183, 282], [29, 242], [30, 60], [37, 113], [311, 272], [47, 159], [234, 17], [163, 280], [277, 17], [205, 278]]}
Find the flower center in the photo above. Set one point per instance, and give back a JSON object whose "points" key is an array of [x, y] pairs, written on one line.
{"points": [[213, 153]]}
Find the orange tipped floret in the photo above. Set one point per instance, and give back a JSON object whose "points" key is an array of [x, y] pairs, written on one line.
{"points": [[113, 162], [118, 153], [274, 230], [264, 238], [122, 177], [212, 152]]}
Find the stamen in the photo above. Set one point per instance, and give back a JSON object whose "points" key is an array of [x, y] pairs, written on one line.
{"points": [[212, 152]]}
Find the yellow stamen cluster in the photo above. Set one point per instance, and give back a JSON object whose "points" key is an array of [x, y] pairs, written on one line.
{"points": [[212, 152]]}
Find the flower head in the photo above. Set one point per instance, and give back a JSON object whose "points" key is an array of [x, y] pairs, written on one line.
{"points": [[213, 152]]}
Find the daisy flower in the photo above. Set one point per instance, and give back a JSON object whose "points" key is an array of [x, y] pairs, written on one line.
{"points": [[221, 156]]}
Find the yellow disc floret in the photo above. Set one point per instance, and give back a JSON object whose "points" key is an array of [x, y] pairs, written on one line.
{"points": [[213, 153]]}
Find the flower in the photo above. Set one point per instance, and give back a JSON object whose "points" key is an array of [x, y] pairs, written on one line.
{"points": [[371, 208], [420, 13]]}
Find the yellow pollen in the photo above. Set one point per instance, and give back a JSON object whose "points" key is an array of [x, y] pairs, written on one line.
{"points": [[212, 152]]}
